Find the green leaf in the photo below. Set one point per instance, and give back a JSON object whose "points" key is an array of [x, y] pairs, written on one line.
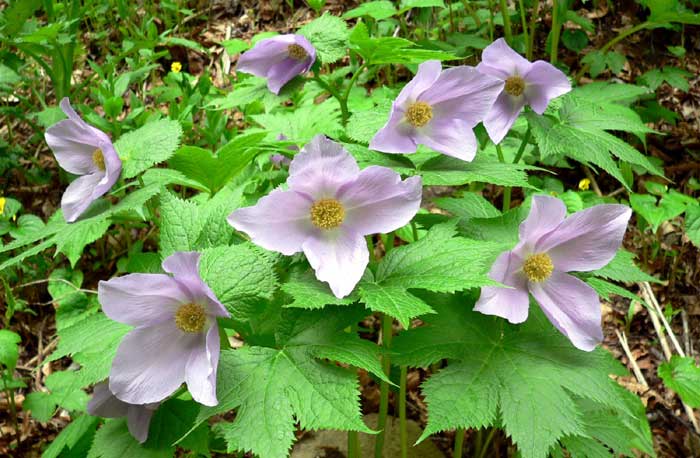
{"points": [[655, 213], [410, 4], [377, 10], [363, 125], [41, 405], [674, 76], [252, 277], [72, 240], [71, 437], [173, 419], [329, 35], [153, 143], [470, 205], [692, 224], [439, 262], [304, 123], [180, 224], [670, 11], [622, 268], [526, 377], [443, 170], [289, 384], [682, 375], [113, 440], [309, 293], [9, 349]]}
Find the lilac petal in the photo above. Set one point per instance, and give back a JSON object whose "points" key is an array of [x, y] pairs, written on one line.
{"points": [[141, 299], [546, 213], [462, 93], [200, 373], [509, 303], [321, 168], [588, 239], [428, 72], [184, 265], [104, 404], [502, 116], [79, 195], [264, 55], [499, 60], [280, 221], [452, 137], [339, 258], [283, 72], [544, 82], [396, 136], [138, 420], [379, 202], [572, 306], [113, 168], [73, 147], [150, 363]]}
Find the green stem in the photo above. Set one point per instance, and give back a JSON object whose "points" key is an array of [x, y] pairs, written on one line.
{"points": [[506, 22], [387, 323], [402, 413], [491, 25], [389, 243], [533, 26], [487, 442], [459, 443], [355, 75], [414, 231], [332, 91], [506, 190], [523, 144], [523, 20], [468, 8], [353, 444], [556, 29]]}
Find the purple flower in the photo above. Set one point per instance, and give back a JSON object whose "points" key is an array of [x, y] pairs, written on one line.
{"points": [[329, 208], [279, 160], [438, 109], [526, 83], [175, 338], [82, 150], [138, 417], [279, 59], [551, 245]]}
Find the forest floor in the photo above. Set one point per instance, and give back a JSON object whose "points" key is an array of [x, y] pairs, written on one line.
{"points": [[677, 263]]}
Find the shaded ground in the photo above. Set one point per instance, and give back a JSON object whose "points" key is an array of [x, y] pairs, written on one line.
{"points": [[678, 263]]}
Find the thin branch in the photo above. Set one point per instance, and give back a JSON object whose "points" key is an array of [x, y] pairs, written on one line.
{"points": [[633, 362]]}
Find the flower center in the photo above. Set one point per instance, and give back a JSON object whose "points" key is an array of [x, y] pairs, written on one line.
{"points": [[515, 85], [190, 318], [297, 52], [419, 114], [538, 267], [99, 159], [327, 214]]}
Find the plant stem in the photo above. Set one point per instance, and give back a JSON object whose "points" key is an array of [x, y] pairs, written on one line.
{"points": [[523, 144], [353, 444], [332, 91], [523, 20], [556, 29], [387, 323], [485, 445], [491, 25], [389, 243], [506, 189], [506, 21], [402, 413], [533, 26], [355, 75], [470, 11], [459, 443]]}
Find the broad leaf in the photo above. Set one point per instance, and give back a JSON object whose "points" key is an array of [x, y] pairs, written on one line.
{"points": [[682, 375], [153, 143]]}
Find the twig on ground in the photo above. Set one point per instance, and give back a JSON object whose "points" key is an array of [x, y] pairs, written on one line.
{"points": [[594, 183], [633, 362], [686, 334]]}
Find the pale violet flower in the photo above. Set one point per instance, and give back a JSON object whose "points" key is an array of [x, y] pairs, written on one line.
{"points": [[328, 209], [138, 417], [550, 246], [525, 83], [439, 109], [86, 151], [175, 337], [279, 59]]}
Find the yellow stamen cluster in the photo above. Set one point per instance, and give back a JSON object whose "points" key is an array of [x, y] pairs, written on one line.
{"points": [[297, 52], [584, 184], [176, 67], [419, 114], [99, 159], [515, 85], [191, 318], [327, 214], [538, 267]]}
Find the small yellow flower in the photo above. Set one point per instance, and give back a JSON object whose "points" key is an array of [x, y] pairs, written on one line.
{"points": [[584, 184], [176, 67], [2, 205]]}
